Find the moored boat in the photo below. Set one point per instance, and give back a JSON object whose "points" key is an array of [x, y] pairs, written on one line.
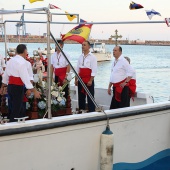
{"points": [[44, 51], [100, 51]]}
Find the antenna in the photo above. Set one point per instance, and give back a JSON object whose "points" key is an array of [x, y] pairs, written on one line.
{"points": [[20, 26], [1, 25]]}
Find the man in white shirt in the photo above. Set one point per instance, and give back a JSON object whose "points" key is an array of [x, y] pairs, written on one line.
{"points": [[60, 67], [16, 75], [87, 69], [121, 73]]}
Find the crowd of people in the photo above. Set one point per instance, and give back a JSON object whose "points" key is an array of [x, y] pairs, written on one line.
{"points": [[17, 76]]}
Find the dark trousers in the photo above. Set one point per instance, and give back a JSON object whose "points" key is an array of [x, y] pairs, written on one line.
{"points": [[65, 89], [82, 98], [15, 102], [125, 99]]}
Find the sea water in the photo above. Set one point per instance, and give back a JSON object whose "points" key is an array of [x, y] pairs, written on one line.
{"points": [[152, 65]]}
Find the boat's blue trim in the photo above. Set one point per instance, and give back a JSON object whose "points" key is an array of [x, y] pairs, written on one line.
{"points": [[159, 161], [52, 125]]}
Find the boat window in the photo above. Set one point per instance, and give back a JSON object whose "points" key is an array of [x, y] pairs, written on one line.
{"points": [[98, 45]]}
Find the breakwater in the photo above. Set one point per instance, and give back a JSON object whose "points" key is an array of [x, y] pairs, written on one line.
{"points": [[43, 39]]}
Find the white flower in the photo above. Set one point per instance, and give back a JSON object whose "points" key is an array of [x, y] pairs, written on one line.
{"points": [[31, 95], [54, 93], [59, 99], [62, 93], [60, 88], [36, 78], [6, 101], [43, 84], [42, 105], [52, 88], [27, 105]]}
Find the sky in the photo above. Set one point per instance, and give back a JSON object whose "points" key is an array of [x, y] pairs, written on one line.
{"points": [[96, 11]]}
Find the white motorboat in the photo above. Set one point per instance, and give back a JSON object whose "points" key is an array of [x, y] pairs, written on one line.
{"points": [[141, 136], [100, 51], [44, 51]]}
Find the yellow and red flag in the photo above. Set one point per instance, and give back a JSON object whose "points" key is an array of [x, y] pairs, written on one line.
{"points": [[32, 1], [79, 33]]}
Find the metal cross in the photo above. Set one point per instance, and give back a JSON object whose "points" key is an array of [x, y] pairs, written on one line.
{"points": [[116, 36]]}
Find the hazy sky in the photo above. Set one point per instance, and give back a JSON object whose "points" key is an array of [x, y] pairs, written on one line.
{"points": [[97, 11]]}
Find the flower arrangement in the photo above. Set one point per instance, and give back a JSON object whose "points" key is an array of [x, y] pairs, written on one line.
{"points": [[58, 101]]}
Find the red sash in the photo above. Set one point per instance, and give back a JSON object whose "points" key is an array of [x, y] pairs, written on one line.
{"points": [[85, 74], [118, 90], [132, 88], [15, 81], [61, 74]]}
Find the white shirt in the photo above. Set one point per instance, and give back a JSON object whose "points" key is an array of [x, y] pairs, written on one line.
{"points": [[134, 75], [2, 64], [30, 72], [88, 61], [58, 60], [17, 67], [120, 70]]}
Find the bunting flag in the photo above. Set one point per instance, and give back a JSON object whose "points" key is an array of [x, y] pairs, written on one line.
{"points": [[70, 17], [167, 20], [134, 5], [32, 1], [151, 13], [50, 6], [78, 34], [82, 22]]}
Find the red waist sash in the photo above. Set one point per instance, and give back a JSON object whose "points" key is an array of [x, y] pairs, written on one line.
{"points": [[132, 88], [15, 81], [61, 74], [118, 90], [85, 74]]}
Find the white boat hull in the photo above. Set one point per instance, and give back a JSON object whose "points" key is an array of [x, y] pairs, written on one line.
{"points": [[73, 142], [103, 57]]}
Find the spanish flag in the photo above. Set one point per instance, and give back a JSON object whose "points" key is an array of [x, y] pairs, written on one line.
{"points": [[78, 33], [70, 17], [32, 1]]}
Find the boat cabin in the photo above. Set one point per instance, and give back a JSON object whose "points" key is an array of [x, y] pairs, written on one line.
{"points": [[98, 47]]}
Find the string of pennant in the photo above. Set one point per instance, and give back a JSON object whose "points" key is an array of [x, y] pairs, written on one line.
{"points": [[149, 13], [81, 32], [51, 6], [132, 6]]}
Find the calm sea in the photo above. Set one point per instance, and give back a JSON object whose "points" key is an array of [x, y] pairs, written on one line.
{"points": [[152, 64]]}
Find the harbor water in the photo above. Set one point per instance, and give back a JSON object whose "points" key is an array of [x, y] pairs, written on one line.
{"points": [[152, 65]]}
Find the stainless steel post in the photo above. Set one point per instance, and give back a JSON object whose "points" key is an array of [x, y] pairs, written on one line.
{"points": [[5, 41], [49, 65]]}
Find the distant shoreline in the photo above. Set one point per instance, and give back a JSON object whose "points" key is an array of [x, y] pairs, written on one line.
{"points": [[43, 39]]}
